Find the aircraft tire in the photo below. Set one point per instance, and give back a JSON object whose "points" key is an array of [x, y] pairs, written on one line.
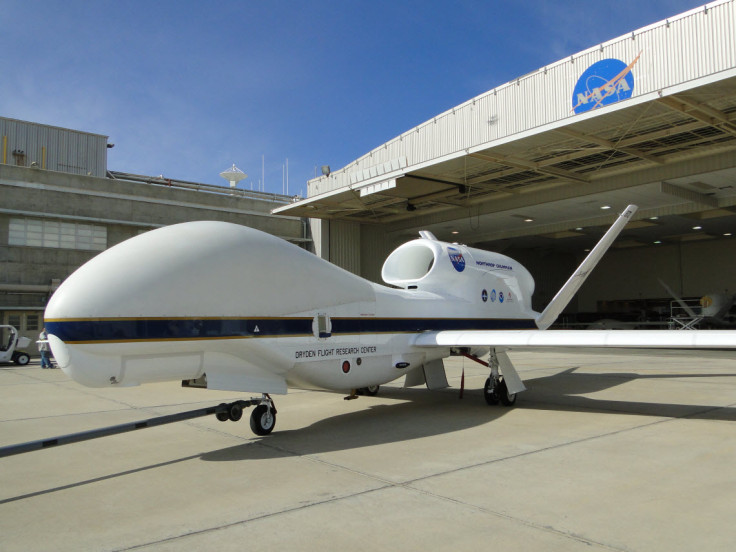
{"points": [[490, 395], [223, 416], [262, 420], [235, 412], [371, 391], [507, 399]]}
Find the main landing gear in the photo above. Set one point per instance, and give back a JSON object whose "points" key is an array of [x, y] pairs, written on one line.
{"points": [[495, 390], [371, 391], [262, 419]]}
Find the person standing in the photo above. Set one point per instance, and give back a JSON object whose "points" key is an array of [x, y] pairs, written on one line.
{"points": [[43, 347]]}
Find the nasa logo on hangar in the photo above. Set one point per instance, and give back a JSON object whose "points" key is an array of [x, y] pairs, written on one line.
{"points": [[605, 82]]}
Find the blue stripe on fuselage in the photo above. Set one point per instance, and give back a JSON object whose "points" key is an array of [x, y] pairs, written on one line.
{"points": [[157, 329]]}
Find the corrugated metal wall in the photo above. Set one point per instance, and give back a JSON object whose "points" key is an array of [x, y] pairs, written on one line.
{"points": [[374, 248], [52, 148], [360, 249], [345, 245], [688, 47]]}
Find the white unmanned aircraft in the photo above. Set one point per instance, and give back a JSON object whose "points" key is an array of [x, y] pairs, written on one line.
{"points": [[227, 307]]}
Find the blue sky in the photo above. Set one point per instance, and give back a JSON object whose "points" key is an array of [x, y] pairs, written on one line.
{"points": [[185, 88]]}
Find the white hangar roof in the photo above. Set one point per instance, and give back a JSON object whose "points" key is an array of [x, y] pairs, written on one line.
{"points": [[646, 118]]}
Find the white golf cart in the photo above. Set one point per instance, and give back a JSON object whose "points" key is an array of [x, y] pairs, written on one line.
{"points": [[11, 341]]}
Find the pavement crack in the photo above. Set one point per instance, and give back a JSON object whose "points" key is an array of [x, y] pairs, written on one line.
{"points": [[246, 520]]}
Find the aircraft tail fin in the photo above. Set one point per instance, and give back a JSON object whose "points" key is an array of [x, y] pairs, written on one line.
{"points": [[572, 285]]}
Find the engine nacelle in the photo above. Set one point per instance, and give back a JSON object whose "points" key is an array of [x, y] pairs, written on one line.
{"points": [[447, 268]]}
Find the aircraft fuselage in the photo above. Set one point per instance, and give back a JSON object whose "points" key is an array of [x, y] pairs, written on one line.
{"points": [[256, 313]]}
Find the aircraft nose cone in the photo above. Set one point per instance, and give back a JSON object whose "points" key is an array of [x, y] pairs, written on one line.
{"points": [[200, 269], [136, 278], [60, 352], [83, 365], [185, 270]]}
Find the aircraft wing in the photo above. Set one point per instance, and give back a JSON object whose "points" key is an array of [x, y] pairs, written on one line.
{"points": [[697, 343]]}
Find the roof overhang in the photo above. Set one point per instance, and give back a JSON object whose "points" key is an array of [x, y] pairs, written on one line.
{"points": [[653, 121], [655, 131]]}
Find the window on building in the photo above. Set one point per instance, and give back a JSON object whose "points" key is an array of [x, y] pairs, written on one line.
{"points": [[14, 320], [59, 235], [32, 322]]}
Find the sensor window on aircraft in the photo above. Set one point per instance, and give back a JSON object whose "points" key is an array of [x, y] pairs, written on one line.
{"points": [[323, 325]]}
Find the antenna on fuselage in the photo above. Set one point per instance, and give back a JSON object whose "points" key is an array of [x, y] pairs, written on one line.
{"points": [[427, 235]]}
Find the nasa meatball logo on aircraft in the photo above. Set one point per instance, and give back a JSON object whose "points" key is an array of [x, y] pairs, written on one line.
{"points": [[457, 259], [219, 306], [605, 82]]}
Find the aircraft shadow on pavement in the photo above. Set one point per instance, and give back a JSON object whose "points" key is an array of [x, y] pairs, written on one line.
{"points": [[429, 414], [567, 391], [424, 414]]}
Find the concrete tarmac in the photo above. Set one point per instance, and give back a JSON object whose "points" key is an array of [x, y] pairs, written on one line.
{"points": [[602, 453]]}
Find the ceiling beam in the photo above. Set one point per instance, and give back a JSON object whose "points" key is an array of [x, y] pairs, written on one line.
{"points": [[531, 165], [687, 195], [701, 112], [608, 144], [662, 133]]}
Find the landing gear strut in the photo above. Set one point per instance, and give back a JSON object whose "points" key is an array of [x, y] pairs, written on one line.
{"points": [[495, 389], [262, 419]]}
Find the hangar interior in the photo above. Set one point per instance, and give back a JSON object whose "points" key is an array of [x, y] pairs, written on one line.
{"points": [[538, 168]]}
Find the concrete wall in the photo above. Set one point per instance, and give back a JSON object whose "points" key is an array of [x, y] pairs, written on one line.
{"points": [[46, 194]]}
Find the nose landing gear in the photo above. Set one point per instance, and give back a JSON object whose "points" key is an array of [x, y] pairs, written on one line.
{"points": [[262, 419]]}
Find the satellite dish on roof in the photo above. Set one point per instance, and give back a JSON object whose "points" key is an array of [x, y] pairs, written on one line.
{"points": [[233, 175]]}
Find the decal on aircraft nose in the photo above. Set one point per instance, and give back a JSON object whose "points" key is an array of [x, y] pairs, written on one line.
{"points": [[456, 257]]}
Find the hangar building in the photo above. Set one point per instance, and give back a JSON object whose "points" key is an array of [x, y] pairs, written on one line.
{"points": [[60, 206], [530, 168]]}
